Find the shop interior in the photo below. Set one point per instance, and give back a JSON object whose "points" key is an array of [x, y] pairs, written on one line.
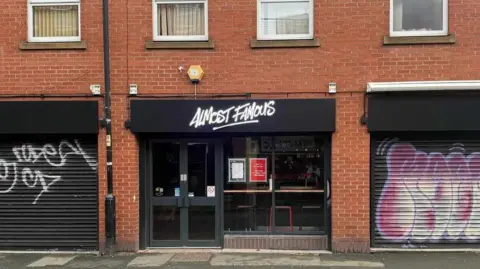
{"points": [[290, 197]]}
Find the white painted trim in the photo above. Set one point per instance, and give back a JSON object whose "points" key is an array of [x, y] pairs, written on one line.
{"points": [[442, 32], [457, 85], [178, 37], [261, 36], [32, 3]]}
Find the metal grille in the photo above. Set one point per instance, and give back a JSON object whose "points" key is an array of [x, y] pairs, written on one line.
{"points": [[48, 193], [426, 191]]}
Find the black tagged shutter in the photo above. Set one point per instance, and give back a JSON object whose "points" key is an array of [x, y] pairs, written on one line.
{"points": [[426, 191], [48, 193]]}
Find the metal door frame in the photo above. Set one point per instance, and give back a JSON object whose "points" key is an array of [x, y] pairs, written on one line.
{"points": [[183, 202]]}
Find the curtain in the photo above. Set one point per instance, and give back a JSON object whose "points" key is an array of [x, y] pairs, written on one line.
{"points": [[437, 23], [424, 15], [289, 25], [53, 21], [181, 19], [397, 15]]}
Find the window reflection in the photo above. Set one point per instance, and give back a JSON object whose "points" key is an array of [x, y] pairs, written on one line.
{"points": [[247, 204], [292, 199]]}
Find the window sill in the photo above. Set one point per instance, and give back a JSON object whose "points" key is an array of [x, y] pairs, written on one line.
{"points": [[80, 45], [300, 43], [412, 40], [210, 44]]}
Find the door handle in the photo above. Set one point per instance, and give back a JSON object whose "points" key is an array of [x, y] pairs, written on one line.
{"points": [[186, 202], [179, 202]]}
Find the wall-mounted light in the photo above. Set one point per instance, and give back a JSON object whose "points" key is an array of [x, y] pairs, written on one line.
{"points": [[95, 89], [133, 89], [332, 87]]}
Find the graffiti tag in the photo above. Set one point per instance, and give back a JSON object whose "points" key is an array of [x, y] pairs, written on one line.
{"points": [[429, 197], [28, 154]]}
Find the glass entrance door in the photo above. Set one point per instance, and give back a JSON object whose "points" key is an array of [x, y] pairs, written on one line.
{"points": [[185, 204]]}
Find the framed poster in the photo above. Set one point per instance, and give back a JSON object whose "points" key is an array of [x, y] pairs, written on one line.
{"points": [[237, 170], [258, 169]]}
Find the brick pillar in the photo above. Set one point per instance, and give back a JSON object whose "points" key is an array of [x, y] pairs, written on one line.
{"points": [[350, 177]]}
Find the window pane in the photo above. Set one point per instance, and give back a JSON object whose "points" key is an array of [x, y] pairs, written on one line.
{"points": [[247, 204], [166, 169], [181, 19], [166, 223], [285, 18], [201, 223], [418, 15], [201, 168], [299, 183], [55, 21]]}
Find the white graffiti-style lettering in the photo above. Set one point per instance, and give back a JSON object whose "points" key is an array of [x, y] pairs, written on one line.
{"points": [[235, 115], [28, 154]]}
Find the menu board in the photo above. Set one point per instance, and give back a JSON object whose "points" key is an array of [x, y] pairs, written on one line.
{"points": [[236, 170], [258, 170]]}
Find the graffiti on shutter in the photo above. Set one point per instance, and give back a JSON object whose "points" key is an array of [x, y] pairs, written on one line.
{"points": [[29, 154], [429, 194]]}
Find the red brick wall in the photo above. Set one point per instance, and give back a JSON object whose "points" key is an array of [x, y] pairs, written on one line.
{"points": [[351, 54], [54, 71]]}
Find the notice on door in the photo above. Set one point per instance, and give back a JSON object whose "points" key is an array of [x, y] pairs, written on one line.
{"points": [[210, 191], [236, 170], [258, 170]]}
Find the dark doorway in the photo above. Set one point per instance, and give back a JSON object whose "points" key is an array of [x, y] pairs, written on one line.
{"points": [[184, 191]]}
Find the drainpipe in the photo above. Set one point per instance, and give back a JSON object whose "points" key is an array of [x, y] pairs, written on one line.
{"points": [[110, 232]]}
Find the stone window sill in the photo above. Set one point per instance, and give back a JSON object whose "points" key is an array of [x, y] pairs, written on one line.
{"points": [[301, 43], [210, 44], [413, 40], [80, 45]]}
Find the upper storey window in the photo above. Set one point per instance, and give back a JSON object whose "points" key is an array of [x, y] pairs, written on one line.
{"points": [[418, 17], [175, 20], [284, 19], [53, 20]]}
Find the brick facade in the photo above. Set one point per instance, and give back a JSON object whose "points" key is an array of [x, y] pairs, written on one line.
{"points": [[351, 54]]}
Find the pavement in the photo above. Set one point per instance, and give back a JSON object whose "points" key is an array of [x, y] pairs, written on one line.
{"points": [[241, 260]]}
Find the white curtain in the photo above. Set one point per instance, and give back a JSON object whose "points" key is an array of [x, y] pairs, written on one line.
{"points": [[181, 19], [397, 15], [417, 15], [54, 21], [297, 24]]}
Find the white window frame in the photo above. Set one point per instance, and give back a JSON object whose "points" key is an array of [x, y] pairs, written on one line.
{"points": [[443, 32], [32, 3], [179, 37], [262, 36]]}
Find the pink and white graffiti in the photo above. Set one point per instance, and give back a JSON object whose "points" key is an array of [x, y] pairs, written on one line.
{"points": [[429, 196]]}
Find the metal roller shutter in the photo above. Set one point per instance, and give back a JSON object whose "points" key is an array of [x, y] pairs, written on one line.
{"points": [[426, 191], [48, 193]]}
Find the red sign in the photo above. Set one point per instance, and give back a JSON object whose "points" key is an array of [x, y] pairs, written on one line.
{"points": [[258, 170]]}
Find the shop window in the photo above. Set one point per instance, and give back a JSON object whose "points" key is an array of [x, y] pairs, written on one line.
{"points": [[53, 20], [281, 187], [284, 19], [418, 18], [180, 20]]}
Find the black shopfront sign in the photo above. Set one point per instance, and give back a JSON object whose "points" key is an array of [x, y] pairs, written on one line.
{"points": [[251, 115], [49, 117], [423, 112]]}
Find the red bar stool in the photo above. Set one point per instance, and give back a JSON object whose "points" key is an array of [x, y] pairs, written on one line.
{"points": [[290, 215]]}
